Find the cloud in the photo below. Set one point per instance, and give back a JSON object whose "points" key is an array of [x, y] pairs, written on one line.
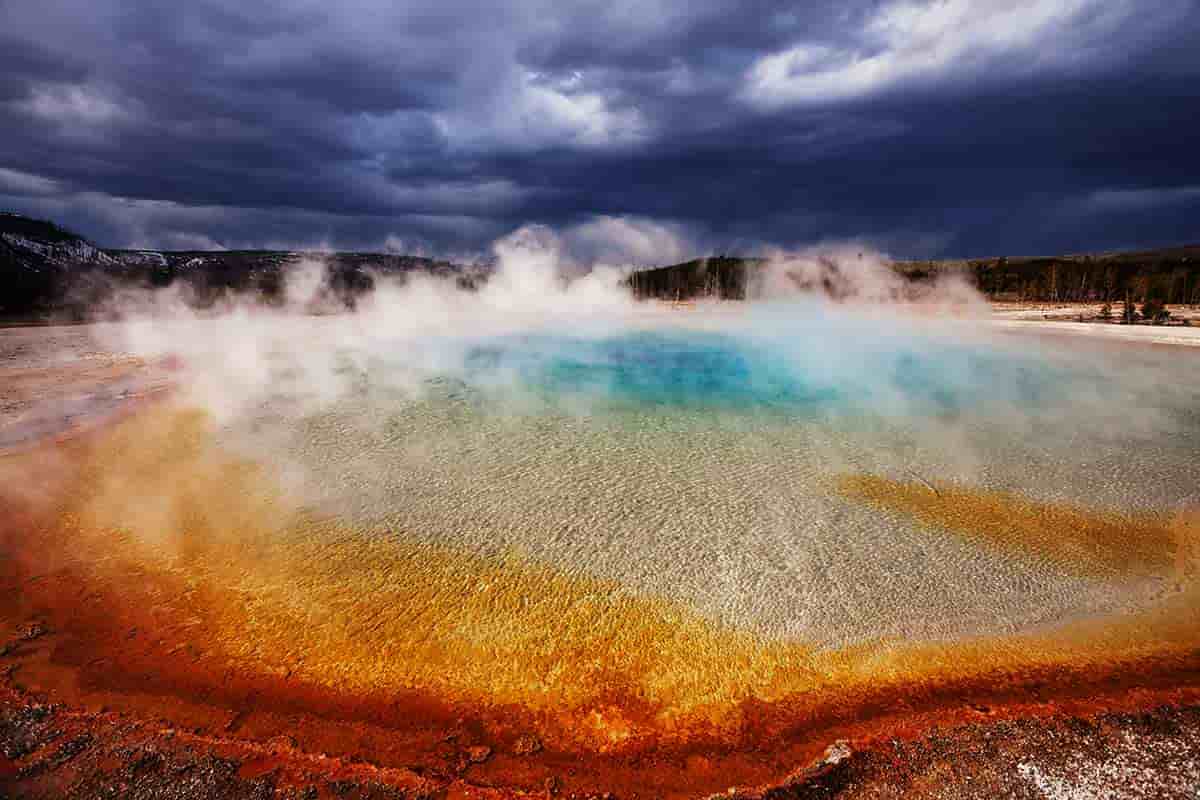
{"points": [[1141, 199], [533, 113], [73, 105], [914, 42], [953, 126], [124, 222], [13, 181]]}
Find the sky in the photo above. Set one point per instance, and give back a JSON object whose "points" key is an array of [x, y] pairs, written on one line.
{"points": [[643, 131]]}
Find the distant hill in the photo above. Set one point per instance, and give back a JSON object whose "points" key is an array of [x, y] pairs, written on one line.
{"points": [[47, 270], [39, 264], [1171, 275]]}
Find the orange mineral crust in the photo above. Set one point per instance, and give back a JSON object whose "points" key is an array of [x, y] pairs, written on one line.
{"points": [[1072, 540], [176, 580]]}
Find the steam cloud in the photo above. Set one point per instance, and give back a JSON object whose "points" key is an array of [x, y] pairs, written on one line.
{"points": [[696, 455], [839, 314]]}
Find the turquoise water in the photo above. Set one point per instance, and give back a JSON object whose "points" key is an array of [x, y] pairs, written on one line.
{"points": [[649, 370], [711, 371]]}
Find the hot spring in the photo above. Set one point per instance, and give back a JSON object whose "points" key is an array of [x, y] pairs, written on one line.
{"points": [[746, 467], [633, 529]]}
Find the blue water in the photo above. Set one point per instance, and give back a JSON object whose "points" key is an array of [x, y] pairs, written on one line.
{"points": [[711, 371]]}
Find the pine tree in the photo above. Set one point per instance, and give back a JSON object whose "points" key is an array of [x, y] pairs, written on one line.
{"points": [[1155, 311], [1128, 313]]}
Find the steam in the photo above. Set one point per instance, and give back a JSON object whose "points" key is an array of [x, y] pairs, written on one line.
{"points": [[831, 333], [308, 352], [845, 273], [541, 490], [794, 467], [837, 318], [531, 277]]}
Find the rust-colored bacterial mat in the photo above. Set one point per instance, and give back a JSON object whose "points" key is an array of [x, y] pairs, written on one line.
{"points": [[179, 579], [653, 557]]}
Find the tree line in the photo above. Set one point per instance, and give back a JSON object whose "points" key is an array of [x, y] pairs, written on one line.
{"points": [[1159, 277]]}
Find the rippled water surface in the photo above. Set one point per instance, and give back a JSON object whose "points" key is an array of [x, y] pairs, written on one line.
{"points": [[708, 463]]}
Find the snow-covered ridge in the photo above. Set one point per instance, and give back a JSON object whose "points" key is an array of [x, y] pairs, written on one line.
{"points": [[142, 258], [64, 254]]}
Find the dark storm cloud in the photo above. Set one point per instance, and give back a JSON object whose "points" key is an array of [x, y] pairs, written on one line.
{"points": [[943, 127]]}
